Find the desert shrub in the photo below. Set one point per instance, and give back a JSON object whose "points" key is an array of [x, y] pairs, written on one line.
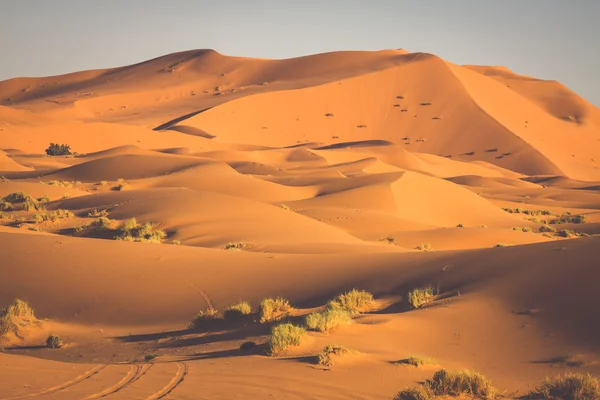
{"points": [[273, 308], [5, 206], [98, 214], [524, 229], [418, 393], [508, 210], [570, 219], [102, 183], [388, 240], [18, 313], [284, 336], [237, 310], [103, 223], [424, 247], [176, 242], [354, 301], [328, 319], [5, 215], [35, 229], [147, 232], [58, 150], [54, 342], [417, 361], [204, 316], [461, 383], [44, 199], [32, 205], [421, 296], [570, 386], [547, 228], [567, 233], [66, 184], [16, 197], [326, 356], [502, 245], [287, 208], [236, 246], [121, 186], [61, 214], [39, 218]]}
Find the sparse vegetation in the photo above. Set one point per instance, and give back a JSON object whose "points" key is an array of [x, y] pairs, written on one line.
{"points": [[388, 240], [54, 342], [328, 319], [547, 228], [176, 242], [237, 310], [65, 184], [417, 298], [148, 232], [570, 386], [5, 206], [570, 219], [271, 309], [16, 315], [204, 316], [417, 361], [502, 245], [424, 247], [567, 233], [354, 301], [523, 229], [284, 336], [98, 214], [451, 384], [58, 150], [44, 199], [236, 246], [16, 197], [326, 357]]}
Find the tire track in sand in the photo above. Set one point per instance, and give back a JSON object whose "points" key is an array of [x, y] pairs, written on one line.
{"points": [[81, 378], [135, 373], [182, 370]]}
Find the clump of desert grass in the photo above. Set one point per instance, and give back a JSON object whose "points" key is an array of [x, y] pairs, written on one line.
{"points": [[547, 229], [98, 213], [570, 219], [567, 233], [424, 247], [236, 246], [417, 298], [16, 197], [570, 386], [238, 310], [417, 361], [330, 352], [54, 342], [284, 336], [273, 308], [328, 319], [17, 315], [388, 240], [148, 232], [65, 184], [445, 383], [205, 316], [355, 301]]}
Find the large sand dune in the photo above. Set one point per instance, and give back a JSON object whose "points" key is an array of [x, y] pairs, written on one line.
{"points": [[302, 178]]}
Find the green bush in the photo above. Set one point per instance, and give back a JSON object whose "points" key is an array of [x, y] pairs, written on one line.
{"points": [[16, 197], [354, 301], [284, 336], [273, 308], [421, 296], [570, 219], [58, 150], [326, 357], [570, 386], [328, 319]]}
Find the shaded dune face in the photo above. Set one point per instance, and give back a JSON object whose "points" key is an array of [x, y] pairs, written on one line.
{"points": [[302, 178]]}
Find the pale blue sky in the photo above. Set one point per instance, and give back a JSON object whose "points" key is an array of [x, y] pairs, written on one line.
{"points": [[549, 39]]}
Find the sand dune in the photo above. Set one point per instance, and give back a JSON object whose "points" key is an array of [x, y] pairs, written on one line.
{"points": [[303, 178]]}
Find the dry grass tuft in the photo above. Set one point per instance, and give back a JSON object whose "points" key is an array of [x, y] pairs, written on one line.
{"points": [[328, 319], [354, 301], [420, 296], [570, 386], [271, 309], [283, 337], [327, 356]]}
